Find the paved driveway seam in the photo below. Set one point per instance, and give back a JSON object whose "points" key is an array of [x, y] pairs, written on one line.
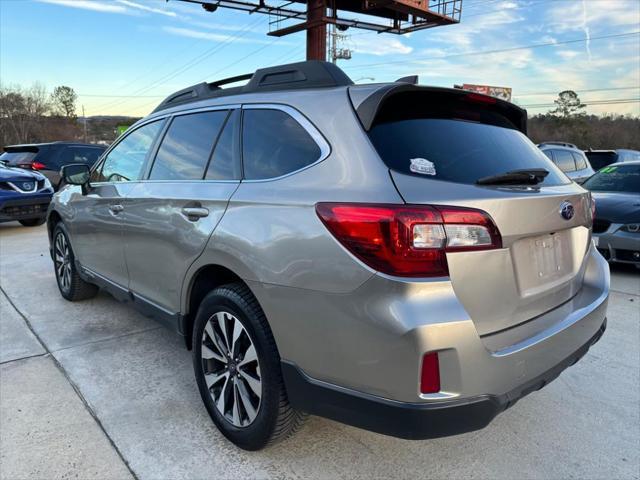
{"points": [[73, 385]]}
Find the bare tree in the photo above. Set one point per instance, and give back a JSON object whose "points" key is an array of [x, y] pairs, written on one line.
{"points": [[21, 112]]}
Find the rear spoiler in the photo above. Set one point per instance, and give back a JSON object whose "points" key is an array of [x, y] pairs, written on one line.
{"points": [[368, 101], [21, 148]]}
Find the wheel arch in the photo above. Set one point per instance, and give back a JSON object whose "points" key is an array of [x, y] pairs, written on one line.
{"points": [[205, 279], [52, 220]]}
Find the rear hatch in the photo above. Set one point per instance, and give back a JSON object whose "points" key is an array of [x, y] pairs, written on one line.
{"points": [[19, 155], [438, 144]]}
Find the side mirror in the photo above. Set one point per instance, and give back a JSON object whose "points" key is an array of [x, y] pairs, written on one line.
{"points": [[76, 174]]}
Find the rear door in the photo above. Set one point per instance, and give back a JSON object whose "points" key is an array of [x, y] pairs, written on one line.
{"points": [[170, 216], [96, 227], [541, 263]]}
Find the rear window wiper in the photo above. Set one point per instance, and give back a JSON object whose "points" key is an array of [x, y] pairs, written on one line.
{"points": [[527, 176]]}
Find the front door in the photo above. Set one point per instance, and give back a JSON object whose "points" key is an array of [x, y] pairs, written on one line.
{"points": [[97, 226]]}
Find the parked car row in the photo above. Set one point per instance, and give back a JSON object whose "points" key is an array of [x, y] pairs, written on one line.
{"points": [[49, 158]]}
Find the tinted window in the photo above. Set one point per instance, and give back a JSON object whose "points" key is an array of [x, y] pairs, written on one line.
{"points": [[601, 159], [16, 158], [456, 150], [548, 154], [615, 178], [86, 155], [124, 163], [581, 162], [225, 162], [185, 149], [274, 144], [564, 160]]}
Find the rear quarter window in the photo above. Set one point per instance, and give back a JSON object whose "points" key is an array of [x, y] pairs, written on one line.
{"points": [[564, 160], [457, 150], [274, 144]]}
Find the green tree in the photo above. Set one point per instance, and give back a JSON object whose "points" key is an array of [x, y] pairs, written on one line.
{"points": [[63, 101], [568, 105]]}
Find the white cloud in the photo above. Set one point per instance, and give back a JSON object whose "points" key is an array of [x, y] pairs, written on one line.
{"points": [[89, 5], [147, 8], [380, 46], [213, 36], [567, 54]]}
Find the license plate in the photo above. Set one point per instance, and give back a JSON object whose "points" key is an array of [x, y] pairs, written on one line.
{"points": [[549, 256]]}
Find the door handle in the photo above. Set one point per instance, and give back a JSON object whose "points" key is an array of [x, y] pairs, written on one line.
{"points": [[195, 213], [115, 209]]}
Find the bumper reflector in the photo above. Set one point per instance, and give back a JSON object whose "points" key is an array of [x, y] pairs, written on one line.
{"points": [[430, 375]]}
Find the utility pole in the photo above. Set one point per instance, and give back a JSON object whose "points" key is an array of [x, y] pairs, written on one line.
{"points": [[84, 118], [335, 51]]}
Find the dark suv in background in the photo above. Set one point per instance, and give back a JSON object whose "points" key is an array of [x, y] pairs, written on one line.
{"points": [[49, 158]]}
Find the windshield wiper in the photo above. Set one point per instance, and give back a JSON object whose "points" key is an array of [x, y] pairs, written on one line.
{"points": [[527, 176]]}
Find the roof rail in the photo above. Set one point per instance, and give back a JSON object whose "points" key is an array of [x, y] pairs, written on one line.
{"points": [[293, 76], [560, 144]]}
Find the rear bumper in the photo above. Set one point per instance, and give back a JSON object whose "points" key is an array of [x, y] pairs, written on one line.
{"points": [[413, 421], [25, 208]]}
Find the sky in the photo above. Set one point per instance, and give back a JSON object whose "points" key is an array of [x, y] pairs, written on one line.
{"points": [[124, 56]]}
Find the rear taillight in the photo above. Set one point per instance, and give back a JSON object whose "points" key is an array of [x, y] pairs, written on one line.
{"points": [[408, 240], [38, 166], [430, 373]]}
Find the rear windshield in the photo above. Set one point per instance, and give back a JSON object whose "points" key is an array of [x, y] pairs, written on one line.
{"points": [[457, 150], [601, 159], [15, 158], [615, 178]]}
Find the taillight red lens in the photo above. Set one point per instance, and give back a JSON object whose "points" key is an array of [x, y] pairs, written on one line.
{"points": [[408, 240], [430, 373], [38, 166]]}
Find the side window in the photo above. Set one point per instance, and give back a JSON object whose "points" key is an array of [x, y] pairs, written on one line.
{"points": [[580, 161], [124, 163], [186, 147], [86, 155], [548, 154], [225, 161], [564, 160], [274, 144]]}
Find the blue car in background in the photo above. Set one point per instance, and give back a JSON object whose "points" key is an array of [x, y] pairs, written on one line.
{"points": [[24, 196]]}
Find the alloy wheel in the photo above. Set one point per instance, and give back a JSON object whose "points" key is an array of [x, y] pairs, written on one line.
{"points": [[231, 369], [62, 260]]}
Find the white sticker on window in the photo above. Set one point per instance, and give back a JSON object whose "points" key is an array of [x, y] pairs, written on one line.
{"points": [[422, 166]]}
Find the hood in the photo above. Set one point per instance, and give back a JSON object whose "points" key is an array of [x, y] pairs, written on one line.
{"points": [[617, 207], [8, 174]]}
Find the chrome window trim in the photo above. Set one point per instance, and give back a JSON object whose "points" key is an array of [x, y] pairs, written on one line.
{"points": [[304, 122], [167, 117]]}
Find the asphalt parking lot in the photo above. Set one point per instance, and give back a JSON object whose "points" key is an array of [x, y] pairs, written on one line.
{"points": [[95, 390]]}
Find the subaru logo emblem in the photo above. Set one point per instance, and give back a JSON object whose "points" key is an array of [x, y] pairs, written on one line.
{"points": [[566, 210], [27, 185]]}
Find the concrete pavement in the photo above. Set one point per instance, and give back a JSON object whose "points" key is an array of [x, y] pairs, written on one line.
{"points": [[116, 398]]}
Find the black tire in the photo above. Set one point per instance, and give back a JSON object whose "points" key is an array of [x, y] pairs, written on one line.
{"points": [[275, 419], [72, 287], [33, 222]]}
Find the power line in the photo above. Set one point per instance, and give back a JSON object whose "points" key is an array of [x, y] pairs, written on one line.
{"points": [[189, 64], [501, 50], [615, 101], [533, 94]]}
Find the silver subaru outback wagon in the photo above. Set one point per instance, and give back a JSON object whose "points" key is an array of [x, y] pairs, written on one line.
{"points": [[395, 257]]}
